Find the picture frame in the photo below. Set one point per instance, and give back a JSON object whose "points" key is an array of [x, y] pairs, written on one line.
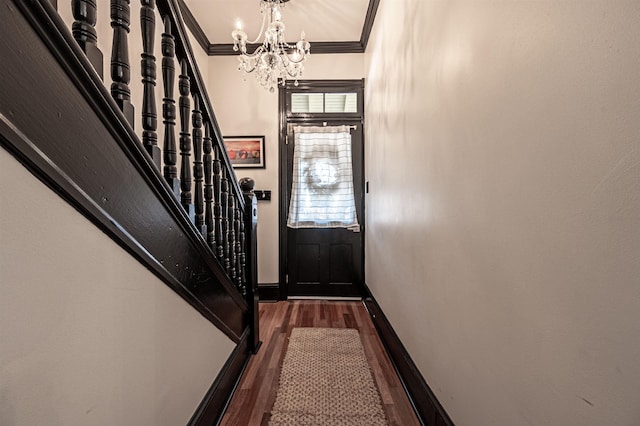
{"points": [[245, 151]]}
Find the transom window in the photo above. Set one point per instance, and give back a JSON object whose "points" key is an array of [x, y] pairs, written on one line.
{"points": [[324, 102]]}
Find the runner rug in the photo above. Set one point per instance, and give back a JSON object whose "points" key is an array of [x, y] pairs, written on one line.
{"points": [[326, 380]]}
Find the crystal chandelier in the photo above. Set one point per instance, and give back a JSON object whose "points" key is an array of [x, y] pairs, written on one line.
{"points": [[275, 60]]}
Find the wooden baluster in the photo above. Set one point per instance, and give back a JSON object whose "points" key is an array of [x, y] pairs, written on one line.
{"points": [[224, 209], [120, 69], [54, 3], [169, 152], [198, 175], [208, 188], [239, 251], [231, 213], [84, 32], [148, 69], [243, 255], [217, 203], [185, 141], [234, 247]]}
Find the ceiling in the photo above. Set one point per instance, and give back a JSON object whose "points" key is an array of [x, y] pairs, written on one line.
{"points": [[338, 26]]}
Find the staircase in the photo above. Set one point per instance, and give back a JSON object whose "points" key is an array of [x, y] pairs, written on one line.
{"points": [[175, 206]]}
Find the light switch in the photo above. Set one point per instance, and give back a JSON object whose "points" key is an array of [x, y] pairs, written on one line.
{"points": [[262, 194]]}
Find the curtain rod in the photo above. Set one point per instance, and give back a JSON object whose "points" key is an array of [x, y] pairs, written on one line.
{"points": [[352, 127]]}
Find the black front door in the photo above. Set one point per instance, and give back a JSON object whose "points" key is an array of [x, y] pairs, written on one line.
{"points": [[327, 261]]}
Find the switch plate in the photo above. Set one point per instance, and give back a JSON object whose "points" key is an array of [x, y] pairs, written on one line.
{"points": [[262, 194]]}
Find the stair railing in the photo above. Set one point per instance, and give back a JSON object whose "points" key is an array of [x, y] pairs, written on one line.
{"points": [[191, 161]]}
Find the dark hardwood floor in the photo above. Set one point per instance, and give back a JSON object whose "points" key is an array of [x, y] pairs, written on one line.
{"points": [[257, 390]]}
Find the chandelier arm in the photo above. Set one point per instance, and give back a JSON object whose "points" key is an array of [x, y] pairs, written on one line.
{"points": [[295, 75], [264, 19], [251, 69], [302, 58], [259, 50], [293, 70]]}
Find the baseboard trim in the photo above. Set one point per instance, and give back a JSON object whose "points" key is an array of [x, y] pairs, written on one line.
{"points": [[332, 298], [427, 407], [269, 292], [216, 401]]}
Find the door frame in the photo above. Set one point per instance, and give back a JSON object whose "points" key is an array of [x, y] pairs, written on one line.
{"points": [[286, 118]]}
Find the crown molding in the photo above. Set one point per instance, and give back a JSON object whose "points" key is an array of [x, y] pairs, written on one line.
{"points": [[368, 23], [317, 47], [193, 26]]}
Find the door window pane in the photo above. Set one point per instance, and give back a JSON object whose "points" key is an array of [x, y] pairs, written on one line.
{"points": [[340, 102], [307, 102], [324, 102]]}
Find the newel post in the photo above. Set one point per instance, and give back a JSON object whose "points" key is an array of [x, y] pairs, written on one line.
{"points": [[251, 248]]}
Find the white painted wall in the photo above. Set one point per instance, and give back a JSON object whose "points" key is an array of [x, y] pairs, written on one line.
{"points": [[503, 218], [245, 108], [88, 336]]}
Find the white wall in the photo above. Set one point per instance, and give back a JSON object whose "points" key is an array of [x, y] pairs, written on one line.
{"points": [[504, 210], [88, 335], [245, 108]]}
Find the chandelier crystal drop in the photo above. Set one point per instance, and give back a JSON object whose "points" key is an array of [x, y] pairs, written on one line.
{"points": [[275, 60]]}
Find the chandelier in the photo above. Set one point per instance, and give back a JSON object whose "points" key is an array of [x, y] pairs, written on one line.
{"points": [[275, 60]]}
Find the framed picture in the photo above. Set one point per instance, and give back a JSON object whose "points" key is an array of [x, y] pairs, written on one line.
{"points": [[245, 151]]}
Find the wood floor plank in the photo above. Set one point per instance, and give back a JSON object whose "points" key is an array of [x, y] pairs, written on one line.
{"points": [[256, 393]]}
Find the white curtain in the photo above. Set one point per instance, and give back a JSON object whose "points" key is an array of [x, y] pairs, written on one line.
{"points": [[322, 185]]}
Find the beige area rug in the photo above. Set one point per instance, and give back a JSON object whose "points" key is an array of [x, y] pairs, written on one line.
{"points": [[326, 380]]}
